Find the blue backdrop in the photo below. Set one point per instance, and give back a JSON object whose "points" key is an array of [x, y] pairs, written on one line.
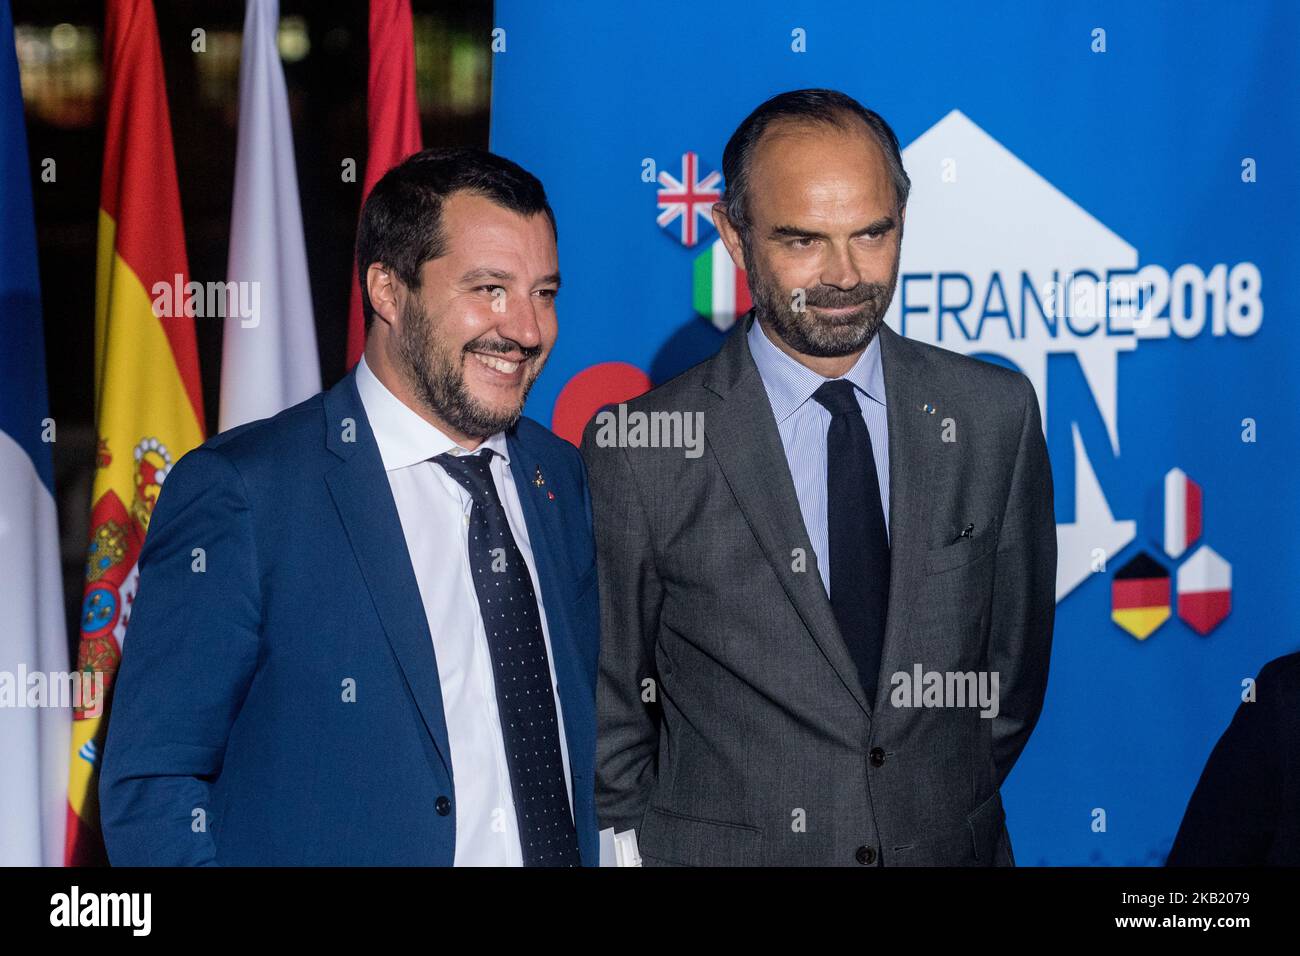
{"points": [[1046, 144]]}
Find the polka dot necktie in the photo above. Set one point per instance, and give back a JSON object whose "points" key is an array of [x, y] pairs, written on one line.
{"points": [[520, 668]]}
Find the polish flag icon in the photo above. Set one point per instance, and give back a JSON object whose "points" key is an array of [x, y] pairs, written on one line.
{"points": [[1204, 590], [1182, 506]]}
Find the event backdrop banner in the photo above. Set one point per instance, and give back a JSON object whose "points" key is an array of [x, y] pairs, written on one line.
{"points": [[1104, 199]]}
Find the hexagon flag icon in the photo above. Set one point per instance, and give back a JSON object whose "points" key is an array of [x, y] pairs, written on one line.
{"points": [[1182, 512], [721, 291], [1139, 596], [1204, 590]]}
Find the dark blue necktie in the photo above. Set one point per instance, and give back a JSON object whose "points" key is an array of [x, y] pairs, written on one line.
{"points": [[859, 543], [520, 667]]}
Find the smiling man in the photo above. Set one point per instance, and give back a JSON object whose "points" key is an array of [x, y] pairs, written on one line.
{"points": [[867, 509], [366, 629]]}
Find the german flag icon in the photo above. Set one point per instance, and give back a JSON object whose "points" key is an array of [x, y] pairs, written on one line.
{"points": [[1139, 596]]}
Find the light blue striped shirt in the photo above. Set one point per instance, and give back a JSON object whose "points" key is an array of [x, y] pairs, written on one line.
{"points": [[803, 424]]}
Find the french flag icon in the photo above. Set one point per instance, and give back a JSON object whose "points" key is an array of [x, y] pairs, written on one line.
{"points": [[1182, 512]]}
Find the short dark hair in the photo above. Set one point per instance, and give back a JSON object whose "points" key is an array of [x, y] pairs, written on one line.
{"points": [[813, 106], [401, 221]]}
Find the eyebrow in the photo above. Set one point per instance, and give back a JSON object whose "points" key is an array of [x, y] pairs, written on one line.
{"points": [[475, 275], [883, 224]]}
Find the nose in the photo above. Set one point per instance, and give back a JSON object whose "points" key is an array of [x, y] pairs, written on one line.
{"points": [[520, 323], [840, 270]]}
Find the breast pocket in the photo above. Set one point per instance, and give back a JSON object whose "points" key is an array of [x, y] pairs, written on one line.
{"points": [[961, 552], [957, 588]]}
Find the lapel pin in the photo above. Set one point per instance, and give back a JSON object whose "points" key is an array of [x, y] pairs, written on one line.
{"points": [[550, 495], [538, 480], [928, 407], [966, 531]]}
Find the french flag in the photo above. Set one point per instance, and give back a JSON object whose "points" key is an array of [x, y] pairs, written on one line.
{"points": [[34, 638]]}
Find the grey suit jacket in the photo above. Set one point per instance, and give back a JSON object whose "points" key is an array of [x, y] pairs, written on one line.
{"points": [[732, 727]]}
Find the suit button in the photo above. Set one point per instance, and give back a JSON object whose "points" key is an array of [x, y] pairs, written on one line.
{"points": [[866, 855], [443, 806], [877, 756]]}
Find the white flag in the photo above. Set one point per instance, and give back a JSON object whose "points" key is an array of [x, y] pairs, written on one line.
{"points": [[269, 359], [35, 683]]}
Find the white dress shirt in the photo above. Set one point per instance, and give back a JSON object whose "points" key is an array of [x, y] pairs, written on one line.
{"points": [[434, 511]]}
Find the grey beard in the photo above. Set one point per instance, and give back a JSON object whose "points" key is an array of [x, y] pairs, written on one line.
{"points": [[809, 335]]}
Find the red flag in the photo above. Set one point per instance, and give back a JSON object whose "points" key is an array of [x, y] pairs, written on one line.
{"points": [[393, 119]]}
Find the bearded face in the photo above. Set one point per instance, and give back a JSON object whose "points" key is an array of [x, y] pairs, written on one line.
{"points": [[823, 321], [472, 335], [436, 371], [820, 239]]}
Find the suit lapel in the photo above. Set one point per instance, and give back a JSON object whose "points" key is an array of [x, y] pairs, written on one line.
{"points": [[541, 514], [741, 431], [913, 457], [359, 487]]}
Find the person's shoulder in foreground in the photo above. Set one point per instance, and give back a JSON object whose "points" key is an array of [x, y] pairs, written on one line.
{"points": [[1245, 810]]}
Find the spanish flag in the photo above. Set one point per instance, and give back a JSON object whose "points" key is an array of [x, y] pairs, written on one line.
{"points": [[148, 399]]}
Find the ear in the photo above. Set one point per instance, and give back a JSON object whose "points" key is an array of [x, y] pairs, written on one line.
{"points": [[730, 236], [382, 286]]}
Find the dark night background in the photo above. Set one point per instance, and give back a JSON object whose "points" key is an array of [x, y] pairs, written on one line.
{"points": [[324, 51]]}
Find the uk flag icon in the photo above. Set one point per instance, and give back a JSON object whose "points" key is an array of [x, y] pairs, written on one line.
{"points": [[688, 200]]}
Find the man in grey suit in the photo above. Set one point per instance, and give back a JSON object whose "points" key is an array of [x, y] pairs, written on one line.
{"points": [[825, 629]]}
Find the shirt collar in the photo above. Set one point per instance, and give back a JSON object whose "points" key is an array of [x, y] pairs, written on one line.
{"points": [[403, 437], [789, 384]]}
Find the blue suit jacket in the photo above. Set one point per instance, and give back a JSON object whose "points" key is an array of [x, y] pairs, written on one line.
{"points": [[231, 740]]}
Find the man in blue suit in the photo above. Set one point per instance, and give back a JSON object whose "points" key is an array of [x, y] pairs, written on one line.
{"points": [[366, 629]]}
